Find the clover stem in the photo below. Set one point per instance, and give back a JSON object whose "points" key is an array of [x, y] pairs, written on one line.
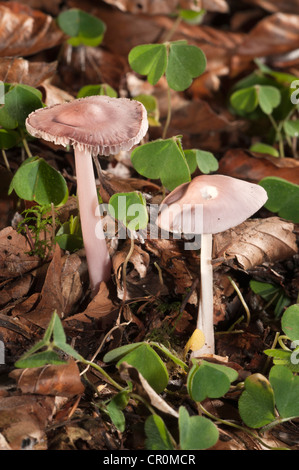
{"points": [[168, 118], [25, 144], [277, 129], [5, 159]]}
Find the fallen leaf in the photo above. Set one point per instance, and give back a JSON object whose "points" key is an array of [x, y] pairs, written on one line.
{"points": [[182, 269], [52, 94], [23, 419], [52, 7], [139, 258], [80, 66], [51, 298], [274, 34], [15, 289], [257, 241], [243, 164], [14, 258], [19, 70], [58, 380], [195, 342], [101, 306], [166, 7], [292, 6], [24, 31]]}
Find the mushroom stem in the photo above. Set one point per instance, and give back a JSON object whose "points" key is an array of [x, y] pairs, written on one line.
{"points": [[97, 255], [205, 321]]}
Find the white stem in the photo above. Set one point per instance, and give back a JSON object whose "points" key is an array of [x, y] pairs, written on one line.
{"points": [[97, 255], [205, 321]]}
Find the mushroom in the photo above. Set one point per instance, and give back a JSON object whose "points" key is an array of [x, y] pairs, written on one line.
{"points": [[93, 125], [209, 204]]}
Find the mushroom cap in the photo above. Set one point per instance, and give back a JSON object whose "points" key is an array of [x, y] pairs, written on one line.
{"points": [[210, 204], [99, 124]]}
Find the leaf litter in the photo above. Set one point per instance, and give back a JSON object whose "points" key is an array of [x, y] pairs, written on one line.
{"points": [[161, 288]]}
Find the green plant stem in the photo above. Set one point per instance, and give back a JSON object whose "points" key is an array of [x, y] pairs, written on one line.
{"points": [[99, 369], [168, 117], [241, 299], [173, 29], [281, 343], [241, 428], [25, 144], [5, 159], [278, 134]]}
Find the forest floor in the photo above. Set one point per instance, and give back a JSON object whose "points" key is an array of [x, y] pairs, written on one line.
{"points": [[63, 407]]}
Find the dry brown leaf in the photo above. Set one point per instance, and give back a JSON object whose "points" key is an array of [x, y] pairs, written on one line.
{"points": [[113, 184], [52, 94], [58, 380], [252, 166], [273, 35], [24, 31], [198, 117], [19, 70], [81, 66], [15, 289], [182, 269], [154, 7], [61, 291], [291, 6], [139, 258], [51, 298], [257, 241], [53, 7], [14, 258], [23, 420], [100, 307]]}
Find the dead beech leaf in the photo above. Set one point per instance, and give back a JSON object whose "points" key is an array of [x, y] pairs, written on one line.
{"points": [[90, 65], [139, 258], [51, 297], [24, 31], [217, 44], [14, 258], [257, 241], [252, 166], [52, 94], [53, 7], [19, 70], [101, 306], [172, 263], [144, 389], [58, 380], [23, 419], [274, 34], [155, 7], [15, 289], [114, 184], [291, 6]]}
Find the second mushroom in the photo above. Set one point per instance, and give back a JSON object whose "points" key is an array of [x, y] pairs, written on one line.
{"points": [[207, 205], [95, 125]]}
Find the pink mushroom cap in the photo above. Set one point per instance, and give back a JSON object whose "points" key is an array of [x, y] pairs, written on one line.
{"points": [[99, 124], [221, 202]]}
